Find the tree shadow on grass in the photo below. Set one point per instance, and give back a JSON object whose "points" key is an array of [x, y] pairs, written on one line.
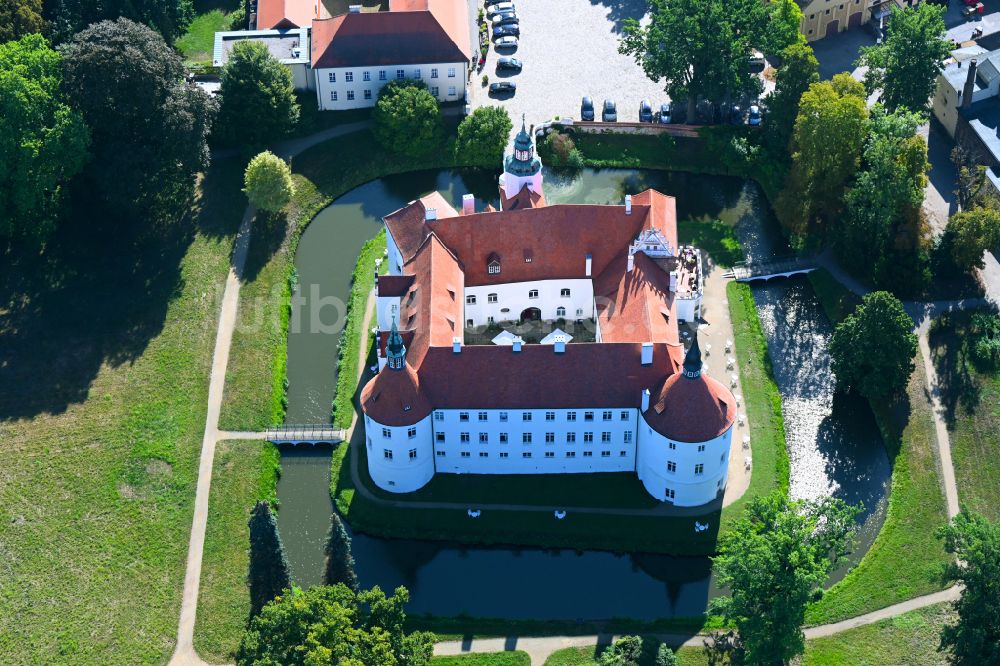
{"points": [[98, 295], [269, 233], [957, 385]]}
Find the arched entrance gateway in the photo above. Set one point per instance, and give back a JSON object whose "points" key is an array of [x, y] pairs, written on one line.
{"points": [[531, 314]]}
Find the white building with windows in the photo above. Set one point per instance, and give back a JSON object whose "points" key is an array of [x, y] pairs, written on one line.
{"points": [[633, 400]]}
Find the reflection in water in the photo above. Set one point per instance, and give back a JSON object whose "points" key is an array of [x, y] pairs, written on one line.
{"points": [[834, 445]]}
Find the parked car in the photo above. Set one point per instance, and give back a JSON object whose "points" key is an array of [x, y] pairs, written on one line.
{"points": [[505, 43], [754, 117], [497, 19], [503, 88], [506, 31], [587, 109], [665, 116], [507, 62], [499, 8], [736, 115], [645, 112], [501, 19], [610, 113], [487, 3], [756, 64]]}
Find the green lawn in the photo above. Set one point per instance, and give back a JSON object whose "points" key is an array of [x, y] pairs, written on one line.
{"points": [[910, 639], [197, 43], [105, 349], [972, 402], [905, 560], [244, 472], [485, 659]]}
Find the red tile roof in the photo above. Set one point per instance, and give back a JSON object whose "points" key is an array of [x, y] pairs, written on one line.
{"points": [[383, 38], [394, 285], [526, 198], [453, 15], [691, 410], [287, 13], [396, 398], [637, 305]]}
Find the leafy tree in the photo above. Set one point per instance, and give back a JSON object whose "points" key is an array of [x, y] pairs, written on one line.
{"points": [[19, 18], [339, 560], [975, 541], [170, 18], [268, 182], [483, 136], [872, 349], [625, 651], [829, 133], [798, 71], [883, 208], [701, 47], [906, 64], [774, 560], [268, 574], [332, 625], [665, 656], [407, 118], [148, 126], [258, 99], [984, 340], [43, 142], [973, 232], [974, 188]]}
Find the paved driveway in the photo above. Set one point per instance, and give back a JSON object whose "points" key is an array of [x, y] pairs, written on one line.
{"points": [[570, 49]]}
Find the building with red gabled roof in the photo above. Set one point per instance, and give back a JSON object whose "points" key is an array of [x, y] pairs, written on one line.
{"points": [[628, 399]]}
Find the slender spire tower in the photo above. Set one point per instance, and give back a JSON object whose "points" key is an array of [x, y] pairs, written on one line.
{"points": [[521, 166]]}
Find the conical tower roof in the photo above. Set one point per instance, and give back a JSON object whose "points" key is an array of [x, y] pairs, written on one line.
{"points": [[522, 161], [692, 360]]}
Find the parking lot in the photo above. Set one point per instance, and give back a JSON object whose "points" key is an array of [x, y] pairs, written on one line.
{"points": [[570, 49]]}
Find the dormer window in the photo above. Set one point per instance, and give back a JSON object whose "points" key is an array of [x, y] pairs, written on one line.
{"points": [[493, 264]]}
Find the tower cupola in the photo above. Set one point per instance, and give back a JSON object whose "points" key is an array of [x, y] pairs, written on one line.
{"points": [[395, 350], [521, 166]]}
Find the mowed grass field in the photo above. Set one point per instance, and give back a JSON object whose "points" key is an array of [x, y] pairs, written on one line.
{"points": [[105, 348]]}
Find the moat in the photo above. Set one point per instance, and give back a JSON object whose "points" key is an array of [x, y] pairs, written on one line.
{"points": [[834, 445]]}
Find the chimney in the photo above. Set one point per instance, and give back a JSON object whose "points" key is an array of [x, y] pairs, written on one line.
{"points": [[970, 85], [589, 263], [628, 204], [376, 282], [647, 353], [631, 262], [516, 344], [645, 400], [456, 345], [430, 214], [560, 344], [468, 204]]}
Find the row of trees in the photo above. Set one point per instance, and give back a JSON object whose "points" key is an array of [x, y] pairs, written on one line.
{"points": [[61, 19]]}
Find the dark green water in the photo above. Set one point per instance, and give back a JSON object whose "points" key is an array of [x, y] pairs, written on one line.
{"points": [[834, 448]]}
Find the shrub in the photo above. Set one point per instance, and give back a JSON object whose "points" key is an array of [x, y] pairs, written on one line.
{"points": [[563, 150], [985, 343], [268, 182]]}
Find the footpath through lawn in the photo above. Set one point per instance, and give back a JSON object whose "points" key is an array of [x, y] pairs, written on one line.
{"points": [[105, 350]]}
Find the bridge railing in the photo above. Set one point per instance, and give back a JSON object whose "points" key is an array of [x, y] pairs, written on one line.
{"points": [[303, 432], [743, 270]]}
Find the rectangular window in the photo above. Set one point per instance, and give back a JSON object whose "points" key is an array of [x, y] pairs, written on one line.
{"points": [[606, 415], [588, 416], [526, 438], [491, 298], [550, 416], [699, 469], [470, 300], [484, 454], [451, 91], [381, 75], [588, 454], [435, 91], [628, 436], [332, 76], [386, 433], [503, 438], [483, 416], [605, 454], [503, 417], [451, 72], [440, 454], [624, 416], [722, 458], [463, 416], [413, 454], [387, 454], [416, 73], [701, 447], [439, 436], [368, 94], [525, 416], [400, 74], [622, 454], [484, 438], [670, 493], [588, 437], [671, 466], [605, 436], [411, 432], [571, 454], [564, 293], [571, 416], [526, 454], [571, 438], [350, 95], [333, 95], [464, 437], [439, 416], [366, 76], [504, 454], [550, 438], [434, 72], [466, 454], [672, 446], [349, 77], [550, 454], [533, 293]]}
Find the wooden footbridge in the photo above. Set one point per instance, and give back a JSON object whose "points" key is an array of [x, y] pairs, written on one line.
{"points": [[775, 268], [322, 433]]}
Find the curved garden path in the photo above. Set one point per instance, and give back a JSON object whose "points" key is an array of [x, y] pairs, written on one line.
{"points": [[539, 648]]}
